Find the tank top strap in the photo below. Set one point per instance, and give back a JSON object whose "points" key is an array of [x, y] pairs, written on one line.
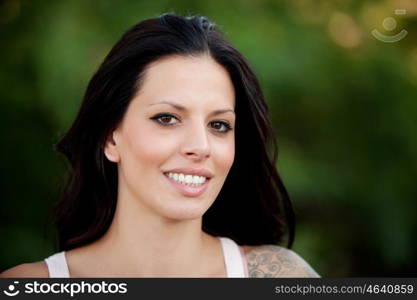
{"points": [[234, 258], [57, 265]]}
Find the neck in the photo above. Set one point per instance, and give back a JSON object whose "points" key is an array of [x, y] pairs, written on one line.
{"points": [[139, 243]]}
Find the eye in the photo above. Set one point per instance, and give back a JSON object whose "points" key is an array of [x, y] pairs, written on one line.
{"points": [[165, 119], [220, 126]]}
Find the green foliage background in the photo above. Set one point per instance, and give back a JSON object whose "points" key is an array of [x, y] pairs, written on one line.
{"points": [[344, 106]]}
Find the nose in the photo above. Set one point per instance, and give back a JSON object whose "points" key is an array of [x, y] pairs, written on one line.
{"points": [[196, 144]]}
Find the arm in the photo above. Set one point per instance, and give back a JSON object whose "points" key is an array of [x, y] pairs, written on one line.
{"points": [[275, 261], [34, 270]]}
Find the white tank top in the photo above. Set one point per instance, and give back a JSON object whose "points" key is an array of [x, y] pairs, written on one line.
{"points": [[234, 259]]}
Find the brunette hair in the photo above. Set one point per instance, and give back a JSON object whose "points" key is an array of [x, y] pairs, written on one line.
{"points": [[253, 206]]}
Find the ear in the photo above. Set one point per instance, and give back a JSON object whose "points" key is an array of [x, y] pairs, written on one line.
{"points": [[110, 149]]}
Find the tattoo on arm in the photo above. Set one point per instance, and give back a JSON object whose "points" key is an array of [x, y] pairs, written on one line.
{"points": [[274, 261]]}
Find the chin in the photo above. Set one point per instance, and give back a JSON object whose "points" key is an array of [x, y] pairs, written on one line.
{"points": [[183, 212]]}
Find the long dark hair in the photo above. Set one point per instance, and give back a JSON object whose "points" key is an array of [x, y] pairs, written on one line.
{"points": [[253, 206]]}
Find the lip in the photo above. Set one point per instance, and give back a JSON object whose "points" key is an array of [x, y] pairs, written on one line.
{"points": [[187, 190]]}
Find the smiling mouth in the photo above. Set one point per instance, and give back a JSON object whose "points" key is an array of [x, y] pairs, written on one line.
{"points": [[187, 179], [187, 186]]}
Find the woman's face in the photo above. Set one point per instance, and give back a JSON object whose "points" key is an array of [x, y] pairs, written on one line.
{"points": [[174, 146]]}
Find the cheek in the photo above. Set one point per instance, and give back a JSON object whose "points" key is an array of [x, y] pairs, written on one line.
{"points": [[146, 147], [224, 155]]}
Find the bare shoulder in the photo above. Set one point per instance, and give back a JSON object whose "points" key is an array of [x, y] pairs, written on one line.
{"points": [[36, 269], [275, 261]]}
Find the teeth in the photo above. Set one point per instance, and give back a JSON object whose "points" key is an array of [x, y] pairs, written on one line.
{"points": [[188, 179]]}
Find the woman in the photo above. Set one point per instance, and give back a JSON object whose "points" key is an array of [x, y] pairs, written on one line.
{"points": [[170, 166]]}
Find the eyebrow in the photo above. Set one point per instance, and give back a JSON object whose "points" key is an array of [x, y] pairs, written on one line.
{"points": [[182, 108]]}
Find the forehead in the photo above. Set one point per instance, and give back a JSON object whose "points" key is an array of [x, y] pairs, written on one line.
{"points": [[187, 80]]}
